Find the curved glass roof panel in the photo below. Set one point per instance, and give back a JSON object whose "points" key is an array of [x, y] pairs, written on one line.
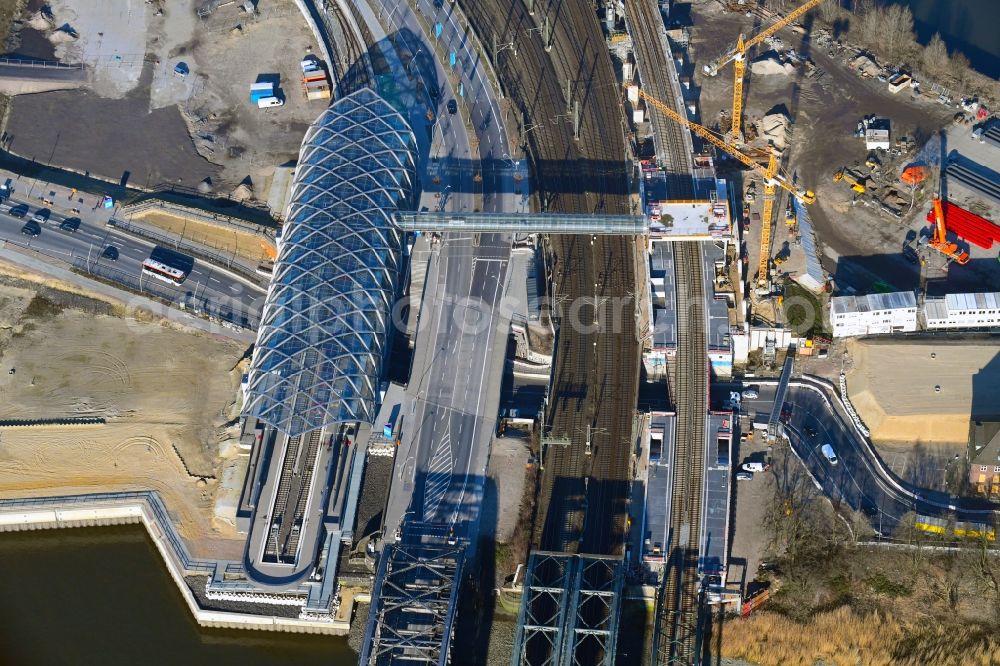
{"points": [[324, 332]]}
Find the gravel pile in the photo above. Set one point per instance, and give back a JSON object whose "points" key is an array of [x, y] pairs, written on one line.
{"points": [[501, 642], [357, 634], [374, 494]]}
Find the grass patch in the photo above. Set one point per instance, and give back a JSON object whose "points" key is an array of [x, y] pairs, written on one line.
{"points": [[41, 308], [882, 584], [502, 556], [9, 10], [804, 311], [842, 636]]}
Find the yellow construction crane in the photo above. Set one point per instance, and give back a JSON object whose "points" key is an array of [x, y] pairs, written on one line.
{"points": [[737, 55], [773, 179]]}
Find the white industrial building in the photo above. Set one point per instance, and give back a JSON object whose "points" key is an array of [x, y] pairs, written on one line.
{"points": [[963, 311], [873, 314]]}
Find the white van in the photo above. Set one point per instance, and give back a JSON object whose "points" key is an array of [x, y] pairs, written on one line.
{"points": [[267, 102], [753, 467], [829, 453]]}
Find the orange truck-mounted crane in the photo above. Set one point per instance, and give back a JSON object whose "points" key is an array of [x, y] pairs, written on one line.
{"points": [[939, 240], [737, 55], [773, 177]]}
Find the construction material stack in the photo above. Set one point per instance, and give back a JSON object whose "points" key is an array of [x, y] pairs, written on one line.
{"points": [[966, 224], [315, 83]]}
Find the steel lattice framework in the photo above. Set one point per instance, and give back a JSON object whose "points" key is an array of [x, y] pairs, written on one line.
{"points": [[569, 610], [322, 339], [413, 604]]}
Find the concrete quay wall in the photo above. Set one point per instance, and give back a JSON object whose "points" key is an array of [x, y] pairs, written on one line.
{"points": [[131, 510]]}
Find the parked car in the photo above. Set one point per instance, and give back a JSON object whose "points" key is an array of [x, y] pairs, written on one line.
{"points": [[268, 102], [110, 253], [744, 476], [452, 107], [42, 215], [181, 69], [70, 224], [31, 228], [829, 453], [750, 394], [753, 466]]}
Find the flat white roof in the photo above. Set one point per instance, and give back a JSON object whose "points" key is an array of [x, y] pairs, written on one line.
{"points": [[688, 218], [896, 300], [935, 309], [966, 302]]}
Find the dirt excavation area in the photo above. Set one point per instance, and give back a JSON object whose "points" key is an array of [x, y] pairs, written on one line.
{"points": [[861, 235], [168, 95], [924, 391], [168, 397]]}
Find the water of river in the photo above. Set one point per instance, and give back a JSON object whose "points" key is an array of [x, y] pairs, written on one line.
{"points": [[103, 596], [967, 25]]}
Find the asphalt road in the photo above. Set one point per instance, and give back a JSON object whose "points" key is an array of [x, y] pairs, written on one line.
{"points": [[205, 282], [858, 479], [452, 392]]}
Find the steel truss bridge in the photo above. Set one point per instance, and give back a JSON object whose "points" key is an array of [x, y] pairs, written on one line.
{"points": [[413, 605], [569, 610]]}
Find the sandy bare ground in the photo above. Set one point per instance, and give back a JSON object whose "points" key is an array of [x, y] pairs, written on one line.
{"points": [[229, 241], [894, 387], [167, 396]]}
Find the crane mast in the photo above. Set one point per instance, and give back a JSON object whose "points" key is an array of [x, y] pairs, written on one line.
{"points": [[737, 55], [773, 179]]}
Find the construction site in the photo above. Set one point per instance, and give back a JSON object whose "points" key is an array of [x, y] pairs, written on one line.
{"points": [[406, 327]]}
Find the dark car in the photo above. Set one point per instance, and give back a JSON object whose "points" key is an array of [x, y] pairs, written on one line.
{"points": [[20, 210], [110, 253], [42, 215], [452, 107], [31, 228], [70, 224]]}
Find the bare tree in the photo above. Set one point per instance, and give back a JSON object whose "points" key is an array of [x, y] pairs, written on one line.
{"points": [[862, 7], [935, 56], [898, 39], [961, 69]]}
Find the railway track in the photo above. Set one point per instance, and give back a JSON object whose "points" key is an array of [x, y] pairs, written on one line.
{"points": [[678, 605], [595, 382], [658, 77]]}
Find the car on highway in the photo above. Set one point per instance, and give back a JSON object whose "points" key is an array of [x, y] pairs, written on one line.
{"points": [[829, 453], [750, 394], [70, 224], [810, 431], [744, 476], [110, 253], [452, 107], [20, 210], [31, 228], [42, 215]]}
